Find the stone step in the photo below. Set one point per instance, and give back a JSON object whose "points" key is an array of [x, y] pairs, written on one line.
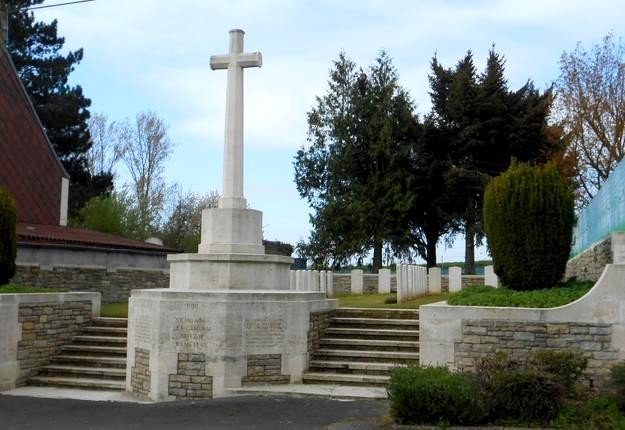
{"points": [[106, 331], [370, 344], [372, 333], [377, 313], [366, 356], [99, 340], [385, 323], [317, 366], [109, 322], [91, 360], [88, 383], [93, 372], [344, 379], [94, 350]]}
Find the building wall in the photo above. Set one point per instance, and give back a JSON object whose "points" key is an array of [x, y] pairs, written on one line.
{"points": [[458, 336], [34, 326]]}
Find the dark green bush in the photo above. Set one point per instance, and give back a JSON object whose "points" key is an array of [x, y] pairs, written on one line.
{"points": [[525, 394], [617, 380], [565, 366], [528, 220], [8, 247], [433, 395], [390, 299]]}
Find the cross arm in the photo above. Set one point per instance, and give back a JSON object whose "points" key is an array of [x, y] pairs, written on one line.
{"points": [[219, 61], [253, 59]]}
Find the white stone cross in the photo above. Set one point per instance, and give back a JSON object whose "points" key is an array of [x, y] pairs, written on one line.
{"points": [[235, 61]]}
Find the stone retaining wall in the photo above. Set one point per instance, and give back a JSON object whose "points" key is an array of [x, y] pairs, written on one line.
{"points": [[342, 283], [114, 284], [140, 373], [589, 265], [264, 369], [34, 326], [456, 336], [319, 321], [466, 280], [190, 380]]}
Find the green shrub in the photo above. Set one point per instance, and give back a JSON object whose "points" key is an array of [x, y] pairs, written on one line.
{"points": [[390, 299], [8, 244], [528, 220], [525, 394], [566, 366], [617, 380], [433, 395]]}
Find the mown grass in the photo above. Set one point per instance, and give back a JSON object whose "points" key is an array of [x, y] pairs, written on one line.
{"points": [[19, 289], [477, 295], [114, 310], [377, 301]]}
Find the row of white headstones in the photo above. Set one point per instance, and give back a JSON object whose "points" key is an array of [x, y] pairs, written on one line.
{"points": [[412, 281]]}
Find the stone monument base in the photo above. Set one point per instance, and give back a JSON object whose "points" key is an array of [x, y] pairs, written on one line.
{"points": [[198, 344]]}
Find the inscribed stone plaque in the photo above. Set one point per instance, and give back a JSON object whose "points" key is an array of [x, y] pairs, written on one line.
{"points": [[143, 330], [190, 333], [264, 333]]}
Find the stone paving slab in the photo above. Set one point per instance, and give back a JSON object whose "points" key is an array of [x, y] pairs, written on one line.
{"points": [[314, 390], [72, 393]]}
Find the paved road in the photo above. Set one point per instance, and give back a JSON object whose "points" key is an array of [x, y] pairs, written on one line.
{"points": [[19, 413]]}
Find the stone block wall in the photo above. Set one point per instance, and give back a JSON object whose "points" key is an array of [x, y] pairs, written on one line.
{"points": [[342, 283], [589, 265], [140, 373], [466, 280], [114, 284], [264, 369], [319, 321], [190, 381], [519, 339], [34, 326]]}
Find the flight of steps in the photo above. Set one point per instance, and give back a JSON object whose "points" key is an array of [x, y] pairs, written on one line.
{"points": [[95, 359], [361, 346]]}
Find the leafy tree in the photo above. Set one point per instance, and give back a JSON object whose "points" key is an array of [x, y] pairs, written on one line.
{"points": [[8, 244], [354, 171], [182, 230], [590, 105], [63, 109], [113, 214], [486, 125], [144, 146]]}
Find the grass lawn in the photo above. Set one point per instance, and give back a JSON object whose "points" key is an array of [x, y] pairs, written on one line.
{"points": [[377, 301], [18, 289], [114, 310], [476, 295]]}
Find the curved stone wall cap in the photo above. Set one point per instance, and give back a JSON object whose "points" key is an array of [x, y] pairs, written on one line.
{"points": [[248, 258], [228, 295]]}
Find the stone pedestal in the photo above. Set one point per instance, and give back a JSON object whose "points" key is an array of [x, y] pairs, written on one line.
{"points": [[198, 344]]}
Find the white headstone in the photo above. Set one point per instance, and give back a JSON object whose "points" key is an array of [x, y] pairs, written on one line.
{"points": [[490, 278], [293, 280], [323, 282], [384, 281], [330, 283], [400, 280], [455, 279], [357, 281], [434, 280]]}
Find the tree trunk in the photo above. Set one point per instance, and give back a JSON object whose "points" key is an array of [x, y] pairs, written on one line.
{"points": [[469, 246], [431, 239], [377, 256]]}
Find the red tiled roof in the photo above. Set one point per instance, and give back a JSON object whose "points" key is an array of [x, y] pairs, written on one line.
{"points": [[29, 168], [57, 235]]}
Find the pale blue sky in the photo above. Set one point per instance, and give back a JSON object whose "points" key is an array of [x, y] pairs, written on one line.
{"points": [[153, 54]]}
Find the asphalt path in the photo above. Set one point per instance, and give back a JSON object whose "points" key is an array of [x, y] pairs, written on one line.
{"points": [[19, 412]]}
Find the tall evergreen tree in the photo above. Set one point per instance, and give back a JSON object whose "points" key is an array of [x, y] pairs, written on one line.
{"points": [[487, 126], [354, 172], [63, 109]]}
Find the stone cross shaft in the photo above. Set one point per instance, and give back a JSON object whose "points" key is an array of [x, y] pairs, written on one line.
{"points": [[235, 61]]}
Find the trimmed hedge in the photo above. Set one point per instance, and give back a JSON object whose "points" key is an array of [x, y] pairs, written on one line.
{"points": [[8, 244], [528, 219]]}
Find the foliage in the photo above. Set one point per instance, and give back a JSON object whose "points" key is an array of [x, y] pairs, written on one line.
{"points": [[529, 216], [379, 301], [481, 125], [480, 295], [590, 106], [566, 366], [183, 228], [8, 239], [353, 172], [434, 395], [144, 146], [525, 394], [63, 109], [390, 300], [617, 380], [103, 153], [596, 413], [19, 289], [114, 310], [113, 214]]}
